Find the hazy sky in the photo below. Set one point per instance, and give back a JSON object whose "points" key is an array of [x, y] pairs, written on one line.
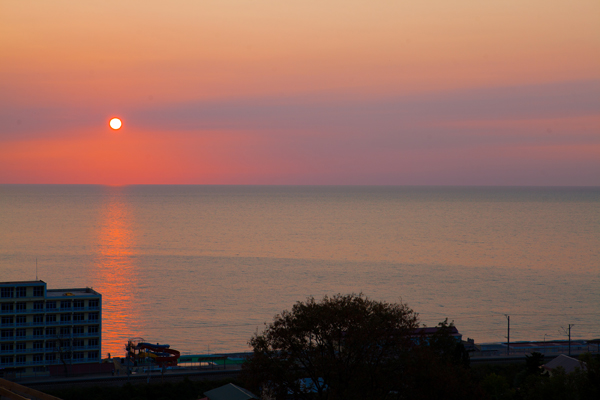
{"points": [[301, 92]]}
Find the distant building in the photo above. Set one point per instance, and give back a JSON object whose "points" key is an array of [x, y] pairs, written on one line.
{"points": [[431, 331], [544, 347], [43, 329]]}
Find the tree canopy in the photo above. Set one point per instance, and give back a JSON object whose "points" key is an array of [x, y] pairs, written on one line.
{"points": [[342, 347]]}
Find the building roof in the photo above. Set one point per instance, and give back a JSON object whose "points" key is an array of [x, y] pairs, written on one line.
{"points": [[55, 292], [21, 282], [229, 392], [71, 292], [568, 363]]}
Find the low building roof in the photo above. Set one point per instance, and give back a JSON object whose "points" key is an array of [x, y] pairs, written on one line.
{"points": [[229, 392], [568, 363]]}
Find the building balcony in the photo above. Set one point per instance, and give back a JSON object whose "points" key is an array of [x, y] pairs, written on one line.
{"points": [[93, 308], [28, 337], [25, 351], [50, 350], [72, 309], [51, 336], [48, 362], [26, 324], [49, 310], [89, 347]]}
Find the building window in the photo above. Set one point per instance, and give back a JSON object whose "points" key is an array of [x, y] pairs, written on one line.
{"points": [[65, 304], [6, 347], [6, 360], [21, 332], [78, 343], [78, 330], [78, 317], [51, 318], [38, 345], [50, 357], [38, 332], [38, 305], [93, 316], [7, 333], [21, 346], [93, 342], [21, 306], [50, 332], [65, 344], [50, 305], [38, 319], [78, 356], [92, 329], [93, 304], [21, 320], [50, 344], [7, 307], [38, 291], [6, 292], [7, 320], [78, 304], [21, 359], [65, 331], [21, 292], [38, 357], [92, 355], [65, 317]]}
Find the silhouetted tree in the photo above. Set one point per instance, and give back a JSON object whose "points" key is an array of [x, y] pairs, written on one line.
{"points": [[533, 362], [342, 347], [445, 346], [438, 368]]}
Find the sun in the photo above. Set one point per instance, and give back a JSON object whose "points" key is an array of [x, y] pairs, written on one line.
{"points": [[115, 123]]}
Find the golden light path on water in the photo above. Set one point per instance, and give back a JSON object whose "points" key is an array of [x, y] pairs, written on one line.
{"points": [[115, 272]]}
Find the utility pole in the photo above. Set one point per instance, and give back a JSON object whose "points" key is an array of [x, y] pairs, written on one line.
{"points": [[570, 325], [508, 335]]}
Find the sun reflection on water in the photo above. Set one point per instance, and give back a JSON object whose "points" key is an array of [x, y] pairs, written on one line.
{"points": [[115, 271]]}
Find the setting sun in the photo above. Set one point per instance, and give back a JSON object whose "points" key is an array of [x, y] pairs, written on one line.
{"points": [[115, 123]]}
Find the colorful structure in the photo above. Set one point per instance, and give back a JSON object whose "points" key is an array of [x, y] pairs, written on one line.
{"points": [[141, 352]]}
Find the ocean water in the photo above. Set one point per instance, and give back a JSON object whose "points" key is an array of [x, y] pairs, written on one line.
{"points": [[202, 268]]}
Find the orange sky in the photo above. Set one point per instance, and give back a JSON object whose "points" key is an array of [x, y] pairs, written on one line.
{"points": [[337, 92]]}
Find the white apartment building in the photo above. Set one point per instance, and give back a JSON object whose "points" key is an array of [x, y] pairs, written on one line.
{"points": [[42, 328]]}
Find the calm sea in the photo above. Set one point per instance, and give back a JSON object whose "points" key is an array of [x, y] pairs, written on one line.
{"points": [[204, 267]]}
